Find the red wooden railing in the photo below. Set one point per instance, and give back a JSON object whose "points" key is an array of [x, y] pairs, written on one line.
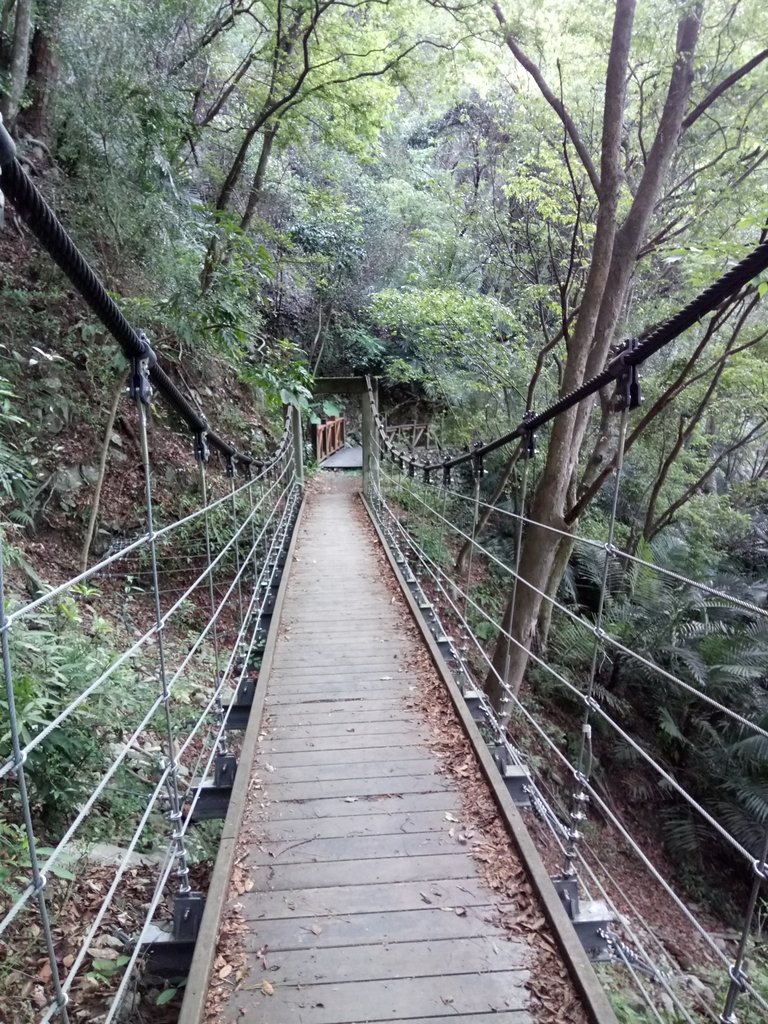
{"points": [[329, 437]]}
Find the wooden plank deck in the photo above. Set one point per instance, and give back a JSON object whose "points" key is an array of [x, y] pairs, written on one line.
{"points": [[349, 457], [363, 905]]}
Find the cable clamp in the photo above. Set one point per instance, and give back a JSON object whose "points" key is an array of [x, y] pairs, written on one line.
{"points": [[447, 476], [42, 882], [139, 385], [202, 451], [738, 977], [760, 868], [412, 467], [426, 475], [478, 470], [528, 449], [231, 468], [7, 146], [627, 394]]}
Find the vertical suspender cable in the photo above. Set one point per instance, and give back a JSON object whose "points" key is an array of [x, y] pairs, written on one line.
{"points": [[201, 454], [583, 773], [141, 394], [39, 880]]}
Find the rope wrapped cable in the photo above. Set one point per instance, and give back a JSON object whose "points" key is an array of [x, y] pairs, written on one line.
{"points": [[48, 229], [632, 354]]}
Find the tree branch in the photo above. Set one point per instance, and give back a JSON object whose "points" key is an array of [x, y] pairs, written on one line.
{"points": [[726, 84], [535, 72]]}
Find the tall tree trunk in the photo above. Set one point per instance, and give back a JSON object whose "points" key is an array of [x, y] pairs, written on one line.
{"points": [[560, 564], [43, 70], [540, 545], [613, 260], [257, 185], [19, 63]]}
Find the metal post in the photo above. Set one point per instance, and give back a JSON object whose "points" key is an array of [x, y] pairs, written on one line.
{"points": [[367, 442], [298, 445]]}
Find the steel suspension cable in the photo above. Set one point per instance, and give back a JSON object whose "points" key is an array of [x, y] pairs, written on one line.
{"points": [[172, 783], [48, 229]]}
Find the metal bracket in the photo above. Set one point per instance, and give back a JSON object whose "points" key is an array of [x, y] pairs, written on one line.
{"points": [[169, 953], [475, 705], [628, 394], [202, 451], [528, 448], [213, 795], [517, 779], [239, 708], [187, 914]]}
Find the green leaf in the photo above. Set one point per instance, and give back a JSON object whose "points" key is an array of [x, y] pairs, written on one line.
{"points": [[166, 996]]}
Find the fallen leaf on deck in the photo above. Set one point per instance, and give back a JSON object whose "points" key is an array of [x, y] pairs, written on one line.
{"points": [[316, 929], [267, 988]]}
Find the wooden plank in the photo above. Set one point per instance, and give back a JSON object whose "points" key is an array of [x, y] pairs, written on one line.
{"points": [[331, 693], [445, 801], [359, 770], [364, 899], [359, 755], [378, 961], [397, 999], [352, 723], [330, 703], [348, 789], [330, 931], [354, 848], [392, 725], [359, 825], [363, 872], [292, 739]]}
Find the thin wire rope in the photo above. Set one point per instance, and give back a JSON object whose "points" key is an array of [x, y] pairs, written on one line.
{"points": [[39, 881], [608, 637], [737, 971], [585, 746], [516, 577], [172, 780], [550, 818], [137, 952], [201, 460], [634, 937], [39, 737], [125, 862], [127, 746], [605, 809], [232, 470], [638, 942], [62, 588], [738, 602]]}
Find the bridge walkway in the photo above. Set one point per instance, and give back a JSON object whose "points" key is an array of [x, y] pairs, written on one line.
{"points": [[356, 896]]}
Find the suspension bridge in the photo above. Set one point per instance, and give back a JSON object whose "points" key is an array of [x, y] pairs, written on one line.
{"points": [[306, 666]]}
